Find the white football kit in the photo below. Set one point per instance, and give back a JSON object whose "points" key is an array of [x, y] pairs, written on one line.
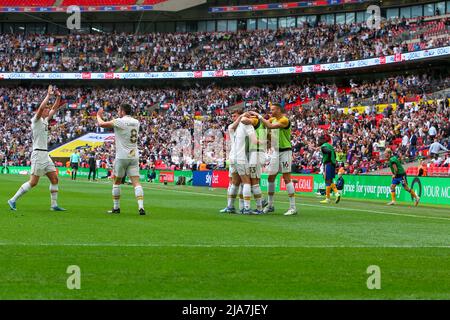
{"points": [[239, 155], [232, 168], [257, 157], [126, 131], [41, 163]]}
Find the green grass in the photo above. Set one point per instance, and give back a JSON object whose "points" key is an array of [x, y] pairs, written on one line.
{"points": [[185, 249]]}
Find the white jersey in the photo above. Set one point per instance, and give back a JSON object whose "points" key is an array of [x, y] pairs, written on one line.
{"points": [[126, 130], [241, 140], [41, 163], [232, 154], [39, 129]]}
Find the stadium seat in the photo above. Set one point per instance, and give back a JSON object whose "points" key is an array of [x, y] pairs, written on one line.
{"points": [[431, 171], [412, 171], [443, 171], [438, 171], [27, 3], [97, 2]]}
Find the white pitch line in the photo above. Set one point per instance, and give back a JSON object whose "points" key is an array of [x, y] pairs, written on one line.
{"points": [[156, 245], [317, 206]]}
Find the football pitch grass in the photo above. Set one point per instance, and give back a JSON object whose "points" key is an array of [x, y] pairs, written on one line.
{"points": [[185, 249]]}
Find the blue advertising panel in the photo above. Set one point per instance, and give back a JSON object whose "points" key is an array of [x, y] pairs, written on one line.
{"points": [[202, 178]]}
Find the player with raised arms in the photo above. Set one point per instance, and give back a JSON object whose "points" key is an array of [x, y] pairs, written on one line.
{"points": [[235, 180], [41, 163], [126, 130]]}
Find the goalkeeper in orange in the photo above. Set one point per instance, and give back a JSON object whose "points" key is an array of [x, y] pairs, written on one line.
{"points": [[329, 168]]}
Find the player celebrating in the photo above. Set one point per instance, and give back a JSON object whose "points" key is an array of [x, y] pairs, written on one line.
{"points": [[126, 131], [235, 180], [41, 163], [257, 158], [281, 158], [329, 168], [398, 176], [244, 132]]}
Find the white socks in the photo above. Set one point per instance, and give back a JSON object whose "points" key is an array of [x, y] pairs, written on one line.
{"points": [[258, 196], [241, 197], [116, 195], [291, 192], [271, 192], [53, 195], [26, 187], [22, 190], [139, 193], [232, 193], [247, 192]]}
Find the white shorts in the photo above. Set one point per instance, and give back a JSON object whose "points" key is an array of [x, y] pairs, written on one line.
{"points": [[130, 167], [41, 163], [256, 163], [231, 170], [280, 162], [240, 169]]}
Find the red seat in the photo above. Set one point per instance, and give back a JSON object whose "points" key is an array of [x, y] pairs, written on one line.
{"points": [[430, 171], [27, 3], [443, 170], [98, 2]]}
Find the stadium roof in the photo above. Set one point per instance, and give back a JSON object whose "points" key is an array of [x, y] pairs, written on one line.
{"points": [[12, 6]]}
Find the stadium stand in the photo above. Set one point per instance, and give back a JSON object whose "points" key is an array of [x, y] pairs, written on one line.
{"points": [[27, 3], [360, 137], [97, 2], [50, 3], [210, 50]]}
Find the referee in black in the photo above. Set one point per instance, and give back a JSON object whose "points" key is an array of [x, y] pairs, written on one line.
{"points": [[92, 166]]}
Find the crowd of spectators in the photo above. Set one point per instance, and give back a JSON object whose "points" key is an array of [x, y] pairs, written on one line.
{"points": [[321, 43], [361, 138], [360, 135]]}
